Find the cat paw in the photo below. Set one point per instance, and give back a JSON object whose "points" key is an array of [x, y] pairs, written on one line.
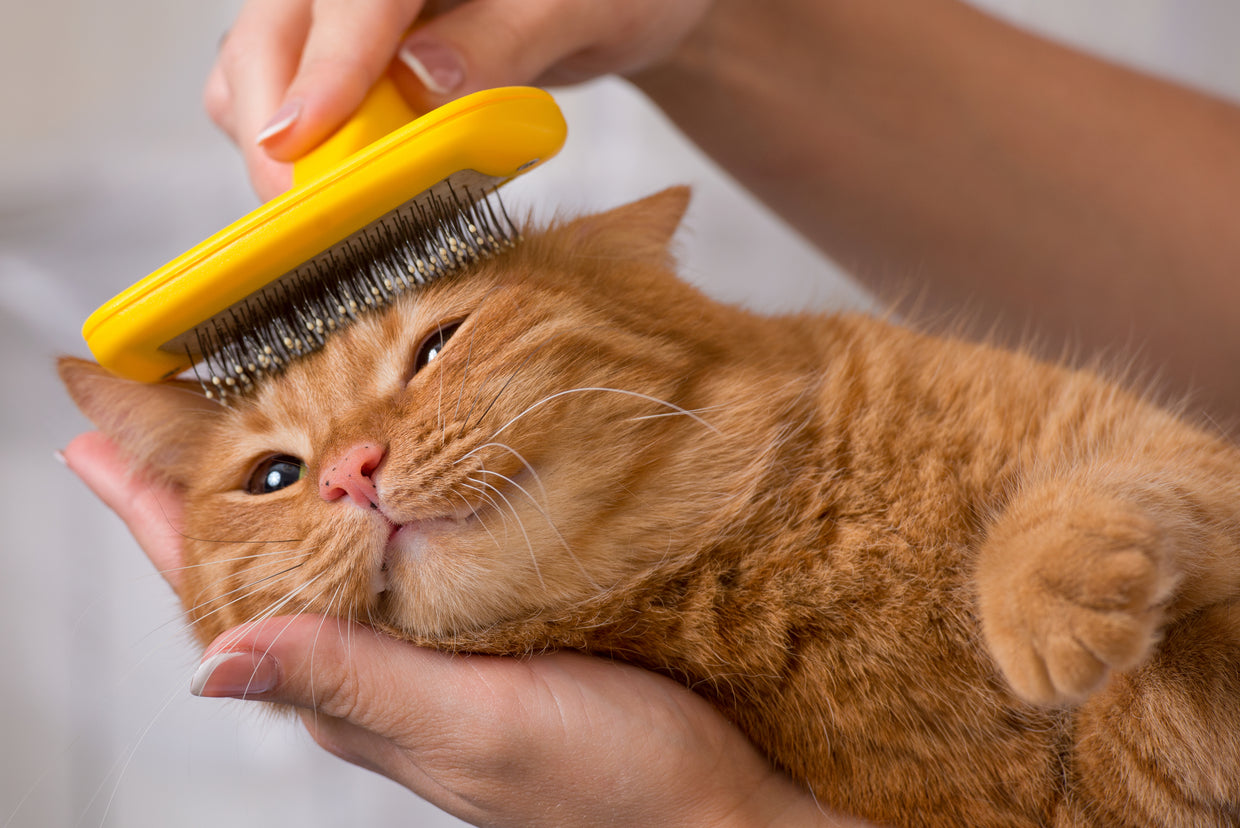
{"points": [[1064, 603]]}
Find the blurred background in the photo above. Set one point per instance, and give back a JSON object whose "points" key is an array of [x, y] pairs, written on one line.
{"points": [[108, 168]]}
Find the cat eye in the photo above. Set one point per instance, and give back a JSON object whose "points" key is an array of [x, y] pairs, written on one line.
{"points": [[433, 344], [276, 472]]}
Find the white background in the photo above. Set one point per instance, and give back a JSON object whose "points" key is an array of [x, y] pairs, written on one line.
{"points": [[108, 169]]}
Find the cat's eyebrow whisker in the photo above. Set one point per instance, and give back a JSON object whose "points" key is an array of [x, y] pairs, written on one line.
{"points": [[469, 359], [546, 341], [521, 526], [636, 394], [515, 454], [443, 425]]}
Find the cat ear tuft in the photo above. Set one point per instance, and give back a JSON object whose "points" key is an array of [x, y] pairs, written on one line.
{"points": [[154, 423], [642, 229]]}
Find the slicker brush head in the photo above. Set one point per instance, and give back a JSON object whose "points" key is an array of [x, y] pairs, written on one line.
{"points": [[425, 239]]}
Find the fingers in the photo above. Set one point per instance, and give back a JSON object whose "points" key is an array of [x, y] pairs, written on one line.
{"points": [[313, 662], [150, 509], [488, 43], [291, 71], [256, 62], [348, 47]]}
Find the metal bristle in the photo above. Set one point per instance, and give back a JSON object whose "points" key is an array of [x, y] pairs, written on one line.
{"points": [[426, 239]]}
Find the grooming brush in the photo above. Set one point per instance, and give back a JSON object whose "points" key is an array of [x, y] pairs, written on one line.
{"points": [[388, 202]]}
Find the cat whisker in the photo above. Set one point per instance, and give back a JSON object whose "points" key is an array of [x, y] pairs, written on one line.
{"points": [[687, 411], [443, 425], [521, 526], [234, 560], [122, 763], [315, 644], [224, 542], [469, 357], [515, 454], [563, 541], [482, 522], [677, 409], [274, 608], [490, 500], [245, 586]]}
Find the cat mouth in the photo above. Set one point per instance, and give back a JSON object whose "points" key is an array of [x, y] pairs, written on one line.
{"points": [[409, 541]]}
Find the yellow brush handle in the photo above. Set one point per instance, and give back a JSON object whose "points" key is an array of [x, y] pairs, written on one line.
{"points": [[383, 111]]}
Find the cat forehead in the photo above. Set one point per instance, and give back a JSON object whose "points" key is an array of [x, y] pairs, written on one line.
{"points": [[374, 353], [505, 296]]}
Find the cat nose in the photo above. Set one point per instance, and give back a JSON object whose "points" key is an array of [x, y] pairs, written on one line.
{"points": [[350, 475]]}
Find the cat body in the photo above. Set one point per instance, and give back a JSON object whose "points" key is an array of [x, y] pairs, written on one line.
{"points": [[938, 582]]}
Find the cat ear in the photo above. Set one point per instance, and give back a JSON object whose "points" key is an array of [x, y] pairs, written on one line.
{"points": [[641, 229], [154, 424]]}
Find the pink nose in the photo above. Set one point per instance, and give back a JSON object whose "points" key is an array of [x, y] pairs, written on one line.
{"points": [[350, 474]]}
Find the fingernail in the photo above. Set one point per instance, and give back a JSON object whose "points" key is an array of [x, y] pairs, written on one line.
{"points": [[439, 68], [60, 457], [282, 120], [235, 676]]}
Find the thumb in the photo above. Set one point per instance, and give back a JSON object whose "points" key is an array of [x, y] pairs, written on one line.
{"points": [[325, 664]]}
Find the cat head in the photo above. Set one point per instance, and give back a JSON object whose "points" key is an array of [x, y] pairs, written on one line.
{"points": [[514, 438]]}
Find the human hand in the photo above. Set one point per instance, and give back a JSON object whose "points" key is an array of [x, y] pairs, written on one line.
{"points": [[290, 71], [560, 738]]}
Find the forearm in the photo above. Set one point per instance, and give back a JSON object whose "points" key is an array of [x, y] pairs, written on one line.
{"points": [[925, 144]]}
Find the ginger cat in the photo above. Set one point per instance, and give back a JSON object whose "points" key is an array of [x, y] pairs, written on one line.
{"points": [[937, 582]]}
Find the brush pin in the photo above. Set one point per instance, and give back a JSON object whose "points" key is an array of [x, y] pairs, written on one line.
{"points": [[426, 239]]}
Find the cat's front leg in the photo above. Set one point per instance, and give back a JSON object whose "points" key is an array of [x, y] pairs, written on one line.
{"points": [[1072, 584]]}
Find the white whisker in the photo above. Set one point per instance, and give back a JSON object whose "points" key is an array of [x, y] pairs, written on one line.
{"points": [[534, 502], [238, 558], [521, 526], [273, 577], [494, 503], [275, 607], [637, 394], [515, 454], [478, 517], [314, 701]]}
